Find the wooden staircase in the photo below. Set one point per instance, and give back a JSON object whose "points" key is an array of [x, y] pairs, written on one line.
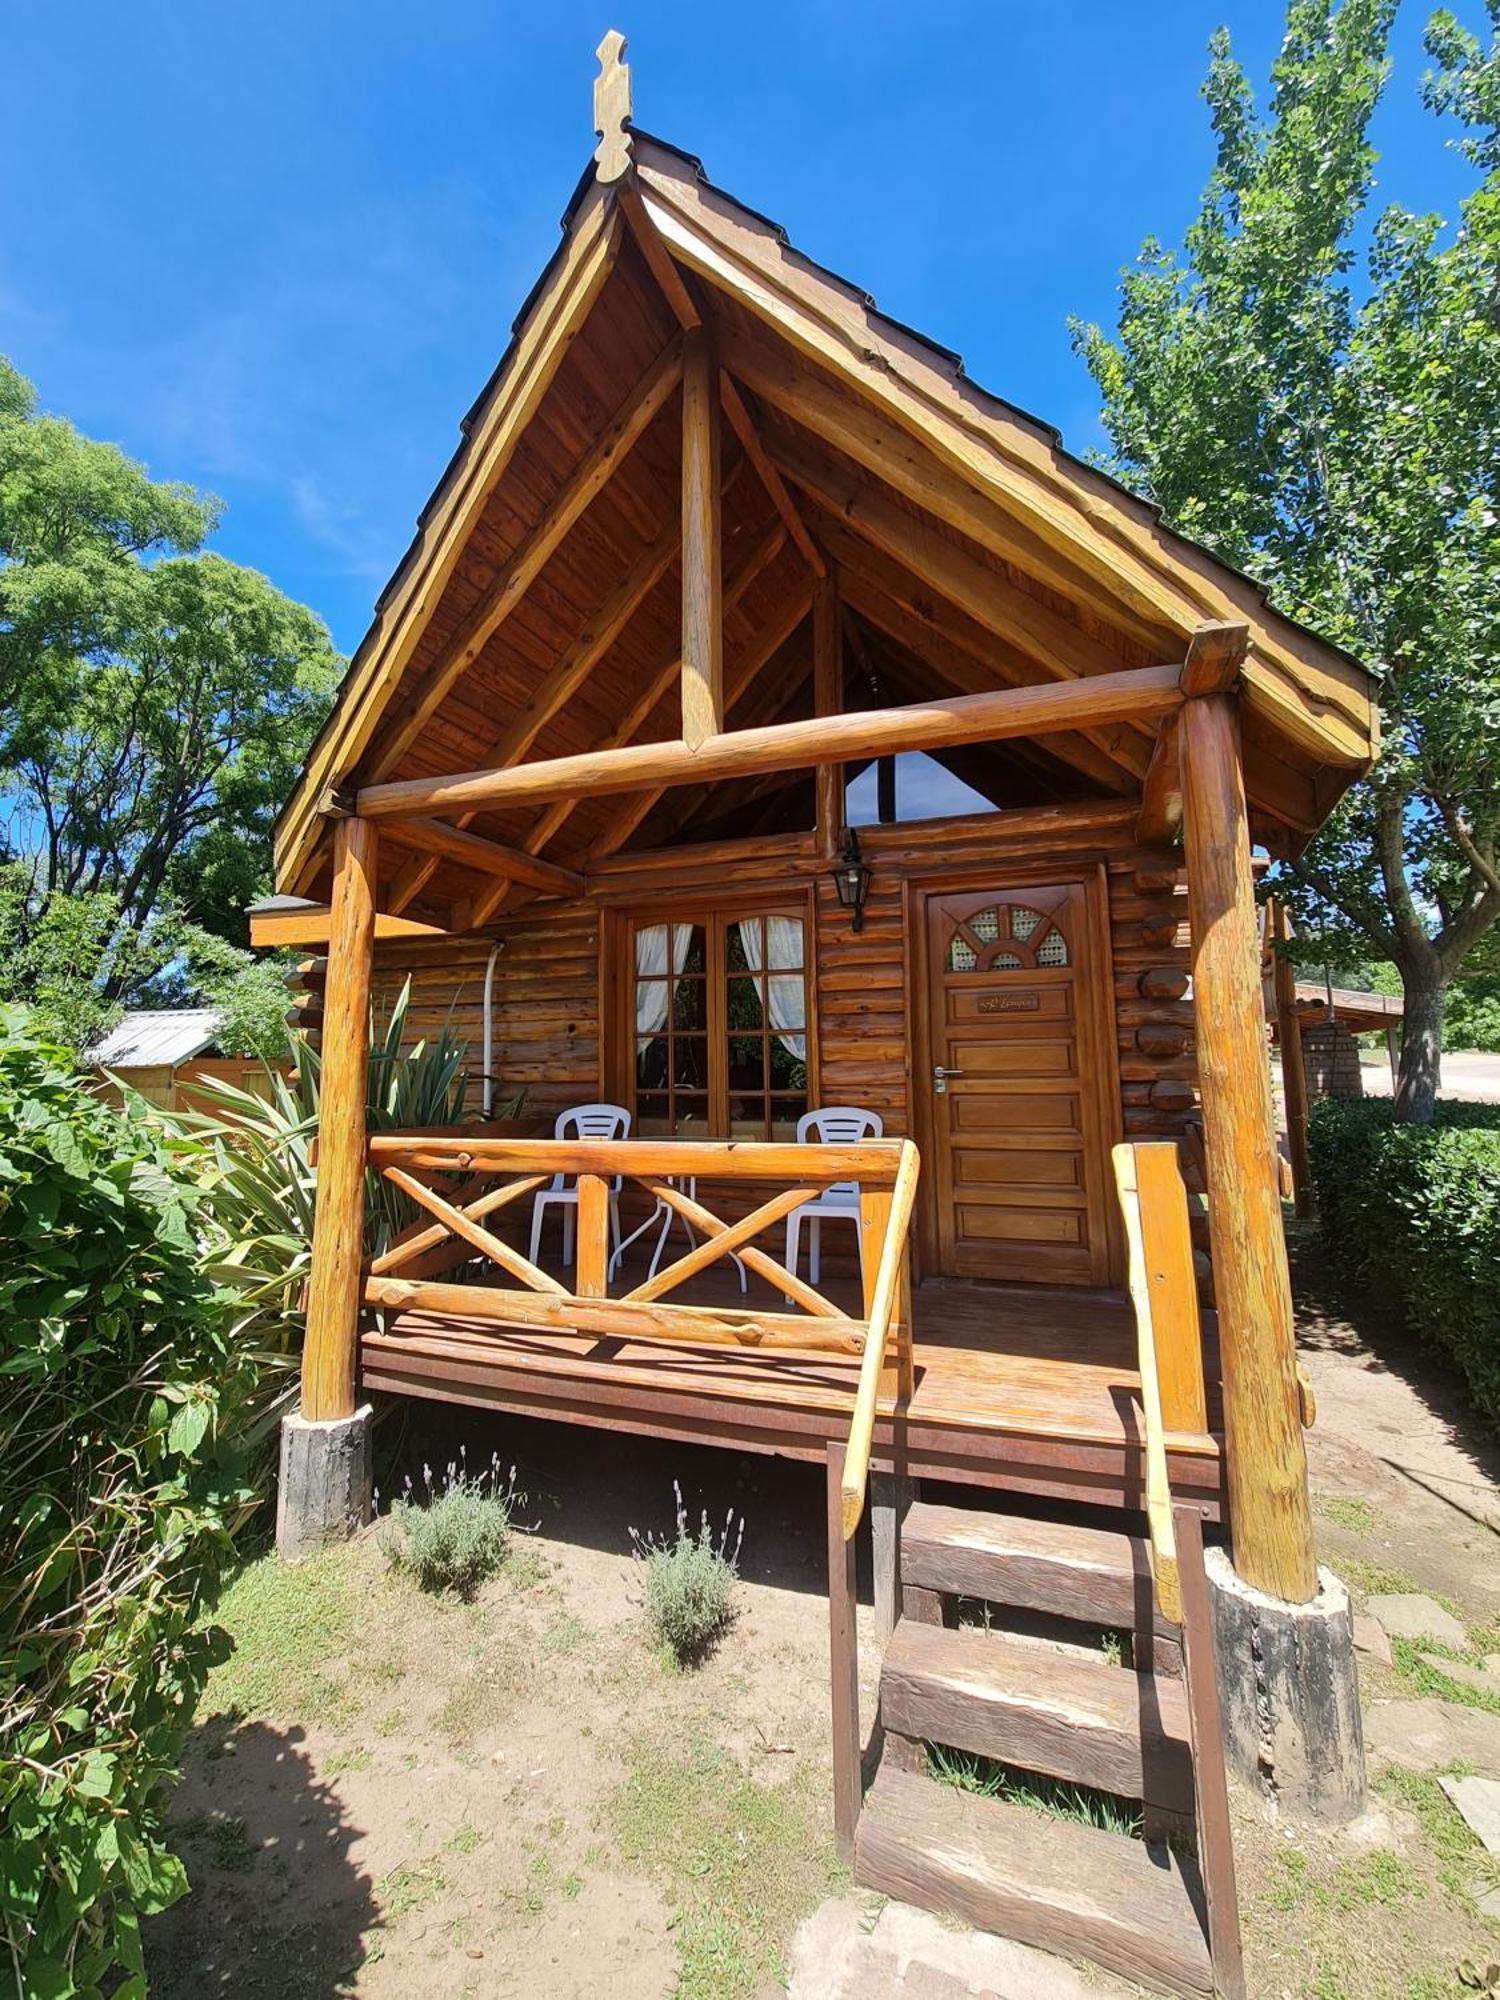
{"points": [[1051, 1713], [1090, 1668]]}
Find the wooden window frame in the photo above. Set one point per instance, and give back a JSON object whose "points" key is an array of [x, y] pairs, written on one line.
{"points": [[715, 914]]}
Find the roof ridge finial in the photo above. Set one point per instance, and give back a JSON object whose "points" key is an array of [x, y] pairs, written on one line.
{"points": [[612, 108]]}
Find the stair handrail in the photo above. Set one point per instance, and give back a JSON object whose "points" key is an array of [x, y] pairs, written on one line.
{"points": [[883, 1298], [1162, 1537]]}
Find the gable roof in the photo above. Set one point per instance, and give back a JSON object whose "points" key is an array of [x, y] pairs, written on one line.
{"points": [[887, 444]]}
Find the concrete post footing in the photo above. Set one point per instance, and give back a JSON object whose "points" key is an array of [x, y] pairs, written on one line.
{"points": [[1289, 1694], [324, 1492]]}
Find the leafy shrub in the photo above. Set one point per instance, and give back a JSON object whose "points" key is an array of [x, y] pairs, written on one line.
{"points": [[456, 1537], [259, 1206], [1413, 1212], [121, 1394], [689, 1583]]}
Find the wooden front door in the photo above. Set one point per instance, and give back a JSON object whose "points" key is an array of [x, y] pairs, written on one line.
{"points": [[1016, 1084]]}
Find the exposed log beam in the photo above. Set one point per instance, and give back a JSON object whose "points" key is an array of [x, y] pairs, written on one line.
{"points": [[487, 857], [657, 687], [312, 923], [658, 258], [810, 397], [607, 454], [559, 687], [1215, 656], [1054, 642], [1161, 795], [702, 571], [768, 641], [743, 425], [1142, 692], [893, 601]]}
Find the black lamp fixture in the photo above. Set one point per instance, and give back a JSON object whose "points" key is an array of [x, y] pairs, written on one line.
{"points": [[851, 877]]}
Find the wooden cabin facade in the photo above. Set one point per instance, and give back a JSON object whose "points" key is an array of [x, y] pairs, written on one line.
{"points": [[720, 538]]}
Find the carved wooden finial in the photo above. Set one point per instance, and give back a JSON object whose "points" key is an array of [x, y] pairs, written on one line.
{"points": [[612, 108]]}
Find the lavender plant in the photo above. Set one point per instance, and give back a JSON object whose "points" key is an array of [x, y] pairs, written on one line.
{"points": [[689, 1582], [453, 1535]]}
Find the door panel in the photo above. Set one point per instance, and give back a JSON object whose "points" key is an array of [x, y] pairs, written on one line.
{"points": [[1018, 1120]]}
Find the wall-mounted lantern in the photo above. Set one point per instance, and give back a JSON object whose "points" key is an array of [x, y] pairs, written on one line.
{"points": [[851, 878]]}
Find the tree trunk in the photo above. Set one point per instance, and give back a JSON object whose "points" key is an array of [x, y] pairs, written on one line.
{"points": [[1420, 1073]]}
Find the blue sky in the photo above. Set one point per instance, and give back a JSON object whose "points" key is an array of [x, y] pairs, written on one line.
{"points": [[275, 250]]}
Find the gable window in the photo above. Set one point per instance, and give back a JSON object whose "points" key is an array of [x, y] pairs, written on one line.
{"points": [[719, 1021]]}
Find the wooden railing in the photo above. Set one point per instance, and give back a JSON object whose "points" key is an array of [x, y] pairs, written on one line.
{"points": [[480, 1176], [1154, 1203]]}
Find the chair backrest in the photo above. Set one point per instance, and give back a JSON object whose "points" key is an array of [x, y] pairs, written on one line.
{"points": [[591, 1121], [839, 1125]]}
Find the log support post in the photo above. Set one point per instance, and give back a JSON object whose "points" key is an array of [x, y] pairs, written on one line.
{"points": [[325, 1489], [1284, 1638], [702, 576]]}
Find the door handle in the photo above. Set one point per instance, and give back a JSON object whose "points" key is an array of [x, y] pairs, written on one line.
{"points": [[940, 1078]]}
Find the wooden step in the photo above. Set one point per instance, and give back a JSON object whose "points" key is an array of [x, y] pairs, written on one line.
{"points": [[1066, 1888], [1081, 1720], [1095, 1575]]}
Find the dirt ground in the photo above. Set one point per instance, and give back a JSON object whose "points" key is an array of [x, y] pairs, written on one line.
{"points": [[391, 1795]]}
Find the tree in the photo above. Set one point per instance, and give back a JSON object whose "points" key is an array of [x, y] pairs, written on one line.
{"points": [[1341, 441], [156, 699]]}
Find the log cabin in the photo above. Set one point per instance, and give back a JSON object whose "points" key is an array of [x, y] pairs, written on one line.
{"points": [[767, 720]]}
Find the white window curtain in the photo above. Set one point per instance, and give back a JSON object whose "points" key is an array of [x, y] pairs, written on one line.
{"points": [[786, 996], [651, 989]]}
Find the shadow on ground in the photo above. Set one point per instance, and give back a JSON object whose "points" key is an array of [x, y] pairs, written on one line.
{"points": [[278, 1910]]}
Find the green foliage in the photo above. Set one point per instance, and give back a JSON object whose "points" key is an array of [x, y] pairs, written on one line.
{"points": [[121, 1392], [1471, 1019], [157, 701], [258, 1205], [452, 1537], [1413, 1212], [690, 1583], [1336, 431]]}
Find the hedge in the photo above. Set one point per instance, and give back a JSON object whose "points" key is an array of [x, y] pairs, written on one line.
{"points": [[1412, 1213], [122, 1389]]}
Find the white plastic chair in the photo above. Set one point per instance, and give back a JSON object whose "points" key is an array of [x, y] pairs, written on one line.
{"points": [[836, 1125], [584, 1121]]}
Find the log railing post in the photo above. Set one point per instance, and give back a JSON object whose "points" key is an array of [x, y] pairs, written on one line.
{"points": [[1267, 1461], [1293, 1069], [334, 1282]]}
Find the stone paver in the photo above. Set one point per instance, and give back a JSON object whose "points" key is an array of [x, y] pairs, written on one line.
{"points": [[1478, 1799], [1429, 1735], [839, 1953], [1369, 1637], [1409, 1615]]}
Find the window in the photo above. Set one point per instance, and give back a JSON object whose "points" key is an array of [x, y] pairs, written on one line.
{"points": [[720, 1025], [1007, 937]]}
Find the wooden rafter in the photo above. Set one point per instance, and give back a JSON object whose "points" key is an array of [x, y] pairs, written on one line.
{"points": [[743, 425], [828, 699], [598, 467], [1142, 692], [487, 857], [658, 686]]}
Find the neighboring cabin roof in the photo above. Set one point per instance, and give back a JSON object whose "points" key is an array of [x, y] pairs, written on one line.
{"points": [[944, 444], [156, 1038]]}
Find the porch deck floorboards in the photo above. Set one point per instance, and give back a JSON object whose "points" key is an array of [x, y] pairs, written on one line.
{"points": [[1024, 1386]]}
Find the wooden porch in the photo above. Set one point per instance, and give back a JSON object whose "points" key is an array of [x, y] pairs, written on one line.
{"points": [[1025, 1388]]}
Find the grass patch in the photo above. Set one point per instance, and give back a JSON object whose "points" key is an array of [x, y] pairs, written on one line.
{"points": [[288, 1624], [741, 1862], [988, 1779], [1374, 1579], [1378, 1879], [228, 1844], [1420, 1676], [1358, 1516], [409, 1886], [339, 1762], [1460, 1858], [464, 1838]]}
